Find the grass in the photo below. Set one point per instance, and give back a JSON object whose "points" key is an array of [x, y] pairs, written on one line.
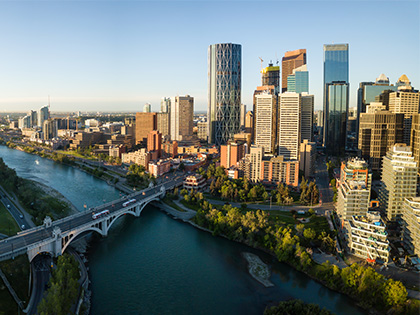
{"points": [[17, 273], [75, 154], [8, 225], [172, 204], [192, 207]]}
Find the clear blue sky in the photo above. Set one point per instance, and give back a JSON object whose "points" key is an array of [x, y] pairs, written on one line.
{"points": [[118, 55]]}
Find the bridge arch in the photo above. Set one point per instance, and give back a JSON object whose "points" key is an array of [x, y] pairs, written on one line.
{"points": [[133, 213], [77, 233]]}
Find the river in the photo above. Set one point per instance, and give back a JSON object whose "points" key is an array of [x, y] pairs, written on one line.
{"points": [[157, 265]]}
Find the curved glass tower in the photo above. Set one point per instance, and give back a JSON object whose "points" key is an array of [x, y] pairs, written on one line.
{"points": [[224, 92]]}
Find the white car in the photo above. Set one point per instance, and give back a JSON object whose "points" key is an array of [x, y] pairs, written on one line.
{"points": [[23, 226]]}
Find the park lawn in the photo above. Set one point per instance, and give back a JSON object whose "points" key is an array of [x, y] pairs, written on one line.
{"points": [[172, 204], [192, 207], [17, 273], [76, 154], [8, 225], [318, 224]]}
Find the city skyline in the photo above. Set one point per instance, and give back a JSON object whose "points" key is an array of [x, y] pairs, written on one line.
{"points": [[108, 56]]}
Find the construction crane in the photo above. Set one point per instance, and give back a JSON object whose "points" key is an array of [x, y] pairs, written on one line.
{"points": [[261, 63]]}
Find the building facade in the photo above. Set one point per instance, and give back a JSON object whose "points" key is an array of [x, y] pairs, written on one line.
{"points": [[182, 115], [145, 122], [224, 91], [411, 225], [291, 60], [298, 81], [271, 76], [399, 180], [265, 121], [307, 157], [307, 117], [415, 139], [289, 125]]}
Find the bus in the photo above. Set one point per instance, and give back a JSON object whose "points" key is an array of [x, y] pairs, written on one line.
{"points": [[125, 204], [99, 214]]}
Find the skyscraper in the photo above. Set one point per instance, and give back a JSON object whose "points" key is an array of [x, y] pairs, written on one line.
{"points": [[243, 113], [266, 121], [307, 117], [335, 126], [289, 125], [147, 108], [224, 91], [43, 114], [399, 180], [165, 105], [291, 60], [271, 76], [298, 81], [415, 139], [336, 96], [182, 114]]}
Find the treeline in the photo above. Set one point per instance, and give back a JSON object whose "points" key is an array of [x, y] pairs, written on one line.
{"points": [[36, 202], [137, 176], [296, 307], [293, 246], [63, 287]]}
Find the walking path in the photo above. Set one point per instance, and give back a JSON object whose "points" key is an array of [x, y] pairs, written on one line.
{"points": [[185, 216], [12, 292]]}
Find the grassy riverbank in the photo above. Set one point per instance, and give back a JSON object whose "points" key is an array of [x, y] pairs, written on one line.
{"points": [[8, 225]]}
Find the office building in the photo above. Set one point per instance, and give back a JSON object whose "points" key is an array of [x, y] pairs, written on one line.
{"points": [[291, 60], [231, 153], [145, 122], [140, 157], [182, 115], [147, 108], [165, 105], [159, 167], [163, 121], [224, 92], [307, 117], [379, 131], [405, 101], [245, 137], [24, 122], [415, 139], [249, 123], [307, 157], [298, 81], [261, 90], [367, 237], [399, 180], [289, 125], [320, 118], [253, 163], [170, 148], [202, 132], [271, 76], [243, 114], [33, 115], [335, 125], [353, 189], [43, 115], [154, 142], [411, 225], [275, 169], [265, 121], [336, 69], [49, 129]]}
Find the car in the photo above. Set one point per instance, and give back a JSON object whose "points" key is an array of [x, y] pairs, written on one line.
{"points": [[8, 206], [21, 216], [23, 226]]}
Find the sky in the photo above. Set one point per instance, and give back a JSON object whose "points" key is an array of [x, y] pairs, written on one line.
{"points": [[118, 55]]}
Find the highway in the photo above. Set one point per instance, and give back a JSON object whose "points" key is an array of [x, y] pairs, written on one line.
{"points": [[37, 234], [16, 214]]}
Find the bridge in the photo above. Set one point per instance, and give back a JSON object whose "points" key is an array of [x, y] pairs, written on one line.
{"points": [[53, 237]]}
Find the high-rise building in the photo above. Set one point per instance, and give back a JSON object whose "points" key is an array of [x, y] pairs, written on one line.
{"points": [[307, 152], [399, 180], [243, 113], [336, 69], [154, 142], [43, 114], [415, 139], [266, 90], [202, 130], [182, 115], [231, 153], [33, 115], [411, 225], [49, 129], [224, 92], [353, 190], [335, 117], [165, 105], [254, 159], [24, 122], [307, 117], [298, 81], [291, 60], [265, 121], [289, 125], [145, 122], [147, 108], [405, 101], [163, 124], [379, 131], [249, 123], [320, 118], [271, 76]]}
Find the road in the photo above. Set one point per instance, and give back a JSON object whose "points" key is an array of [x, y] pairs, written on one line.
{"points": [[41, 273], [323, 182], [15, 212], [20, 242]]}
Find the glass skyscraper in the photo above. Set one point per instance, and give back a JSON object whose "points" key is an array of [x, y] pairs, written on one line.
{"points": [[336, 100], [224, 92], [298, 81]]}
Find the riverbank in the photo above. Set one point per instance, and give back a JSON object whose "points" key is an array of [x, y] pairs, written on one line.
{"points": [[258, 270]]}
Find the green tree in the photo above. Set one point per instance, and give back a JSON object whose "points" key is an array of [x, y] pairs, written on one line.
{"points": [[309, 234]]}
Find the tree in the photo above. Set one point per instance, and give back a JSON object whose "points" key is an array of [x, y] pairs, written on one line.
{"points": [[394, 293], [309, 234]]}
